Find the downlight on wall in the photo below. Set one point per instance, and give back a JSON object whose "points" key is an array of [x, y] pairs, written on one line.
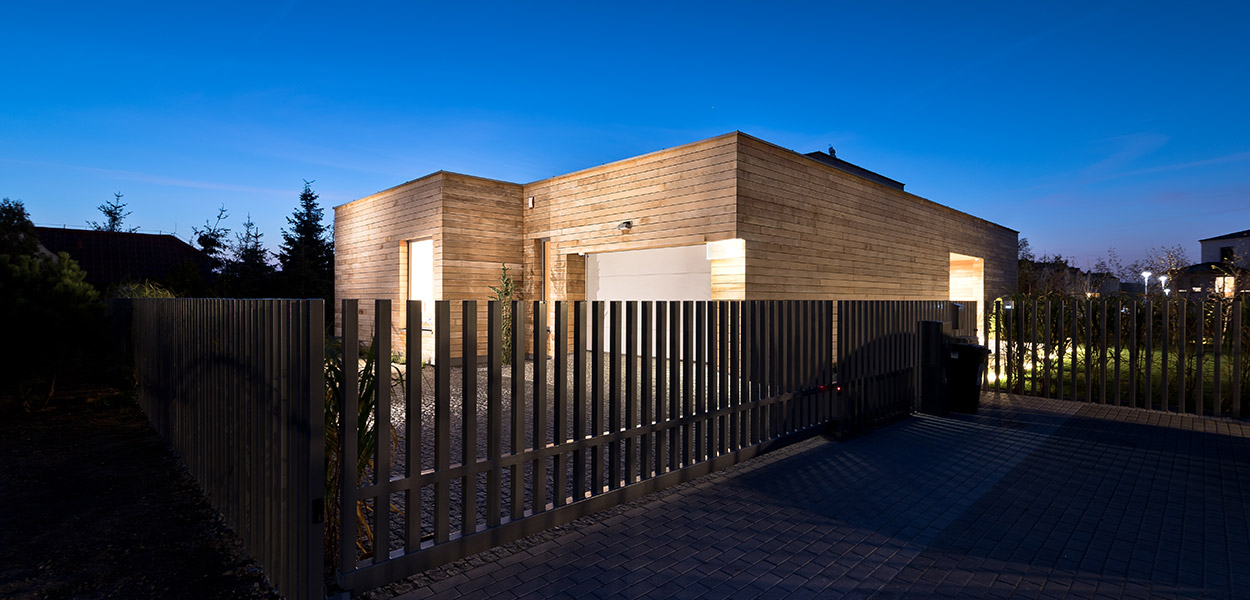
{"points": [[731, 248]]}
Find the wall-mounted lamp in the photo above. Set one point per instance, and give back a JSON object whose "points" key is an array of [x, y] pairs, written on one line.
{"points": [[531, 202], [625, 225], [732, 248]]}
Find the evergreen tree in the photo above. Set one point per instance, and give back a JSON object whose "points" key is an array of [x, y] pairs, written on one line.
{"points": [[248, 273], [212, 240], [114, 214], [307, 253]]}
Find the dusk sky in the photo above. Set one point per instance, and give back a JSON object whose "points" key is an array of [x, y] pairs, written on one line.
{"points": [[1083, 125]]}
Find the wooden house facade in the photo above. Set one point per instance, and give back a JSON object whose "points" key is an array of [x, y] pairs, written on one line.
{"points": [[731, 217]]}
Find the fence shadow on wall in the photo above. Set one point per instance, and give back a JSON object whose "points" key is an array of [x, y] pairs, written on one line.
{"points": [[235, 387]]}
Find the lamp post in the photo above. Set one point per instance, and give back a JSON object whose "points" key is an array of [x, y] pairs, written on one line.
{"points": [[1145, 276], [1163, 283]]}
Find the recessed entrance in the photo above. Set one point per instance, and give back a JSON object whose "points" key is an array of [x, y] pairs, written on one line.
{"points": [[968, 283], [421, 287]]}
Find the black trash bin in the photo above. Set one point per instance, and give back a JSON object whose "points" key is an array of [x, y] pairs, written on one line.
{"points": [[963, 376]]}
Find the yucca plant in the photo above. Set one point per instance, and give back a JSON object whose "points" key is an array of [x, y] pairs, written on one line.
{"points": [[367, 439]]}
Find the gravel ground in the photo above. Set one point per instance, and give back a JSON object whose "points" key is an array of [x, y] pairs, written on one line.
{"points": [[428, 439], [96, 506], [398, 413]]}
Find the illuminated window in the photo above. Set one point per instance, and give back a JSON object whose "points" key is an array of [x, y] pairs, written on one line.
{"points": [[421, 278], [1225, 286], [967, 282]]}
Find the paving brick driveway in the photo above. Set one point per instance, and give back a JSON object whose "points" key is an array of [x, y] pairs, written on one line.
{"points": [[1030, 498]]}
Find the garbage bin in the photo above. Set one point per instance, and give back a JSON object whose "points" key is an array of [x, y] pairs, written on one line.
{"points": [[963, 376]]}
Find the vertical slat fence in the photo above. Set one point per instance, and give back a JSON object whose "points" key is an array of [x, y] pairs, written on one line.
{"points": [[237, 389], [1182, 354], [878, 352], [673, 390]]}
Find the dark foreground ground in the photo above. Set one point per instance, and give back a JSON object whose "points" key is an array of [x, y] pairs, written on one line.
{"points": [[1031, 498], [95, 506]]}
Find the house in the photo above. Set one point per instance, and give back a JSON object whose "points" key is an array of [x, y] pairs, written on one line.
{"points": [[731, 217], [1224, 270], [113, 257], [1233, 248]]}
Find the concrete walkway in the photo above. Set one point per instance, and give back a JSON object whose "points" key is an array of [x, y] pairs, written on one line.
{"points": [[1031, 498]]}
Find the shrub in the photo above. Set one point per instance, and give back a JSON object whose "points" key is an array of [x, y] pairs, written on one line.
{"points": [[144, 289], [57, 325]]}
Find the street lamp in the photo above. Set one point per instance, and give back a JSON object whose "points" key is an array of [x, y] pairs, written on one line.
{"points": [[1145, 275], [1163, 282]]}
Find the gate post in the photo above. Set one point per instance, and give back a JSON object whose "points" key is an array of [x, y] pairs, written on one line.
{"points": [[931, 399]]}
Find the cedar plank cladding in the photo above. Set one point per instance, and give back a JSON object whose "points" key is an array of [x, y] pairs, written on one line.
{"points": [[815, 232], [812, 231], [674, 197], [481, 232], [475, 224], [371, 251]]}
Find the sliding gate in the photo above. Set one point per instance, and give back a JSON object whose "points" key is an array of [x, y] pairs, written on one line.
{"points": [[879, 356]]}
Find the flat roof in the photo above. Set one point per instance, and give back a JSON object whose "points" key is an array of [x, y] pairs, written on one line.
{"points": [[1228, 236]]}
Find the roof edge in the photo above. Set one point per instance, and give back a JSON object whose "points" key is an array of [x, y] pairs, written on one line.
{"points": [[810, 160]]}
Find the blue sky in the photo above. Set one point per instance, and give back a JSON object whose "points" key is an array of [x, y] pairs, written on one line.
{"points": [[1082, 125]]}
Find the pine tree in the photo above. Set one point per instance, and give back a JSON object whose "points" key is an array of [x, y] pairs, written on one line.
{"points": [[212, 240], [307, 253], [248, 273], [114, 214]]}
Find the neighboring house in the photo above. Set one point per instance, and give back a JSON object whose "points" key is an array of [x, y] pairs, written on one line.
{"points": [[1231, 248], [113, 257], [732, 217], [1224, 270]]}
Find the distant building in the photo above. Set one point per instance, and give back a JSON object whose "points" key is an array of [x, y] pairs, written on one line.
{"points": [[1224, 270], [113, 257], [1228, 248]]}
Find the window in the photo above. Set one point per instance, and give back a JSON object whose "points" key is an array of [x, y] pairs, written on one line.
{"points": [[421, 278], [1226, 286], [1226, 254]]}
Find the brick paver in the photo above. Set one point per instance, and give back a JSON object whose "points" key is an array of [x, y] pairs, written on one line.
{"points": [[1031, 498]]}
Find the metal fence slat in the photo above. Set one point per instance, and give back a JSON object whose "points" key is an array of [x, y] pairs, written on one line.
{"points": [[468, 414], [539, 435], [559, 402], [494, 412]]}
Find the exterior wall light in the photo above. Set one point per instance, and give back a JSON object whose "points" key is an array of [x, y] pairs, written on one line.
{"points": [[625, 225], [732, 248]]}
